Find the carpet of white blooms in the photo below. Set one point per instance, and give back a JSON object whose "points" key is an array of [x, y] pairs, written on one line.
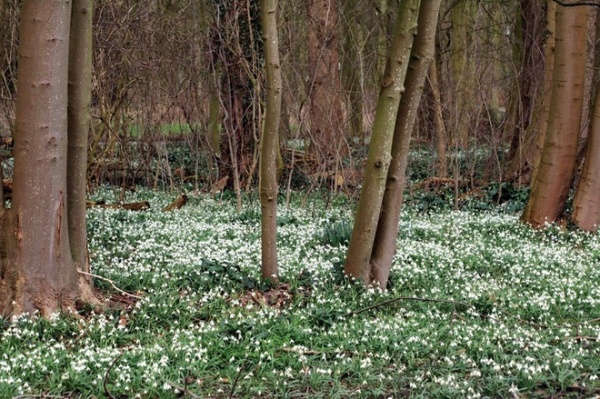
{"points": [[531, 325]]}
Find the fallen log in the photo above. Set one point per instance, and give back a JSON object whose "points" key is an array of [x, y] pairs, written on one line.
{"points": [[178, 203], [132, 206]]}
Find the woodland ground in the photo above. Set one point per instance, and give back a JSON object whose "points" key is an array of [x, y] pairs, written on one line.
{"points": [[478, 306]]}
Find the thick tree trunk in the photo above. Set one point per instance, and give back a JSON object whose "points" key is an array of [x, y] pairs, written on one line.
{"points": [[80, 96], [586, 205], [326, 119], [379, 155], [420, 59], [38, 273], [270, 141], [550, 188]]}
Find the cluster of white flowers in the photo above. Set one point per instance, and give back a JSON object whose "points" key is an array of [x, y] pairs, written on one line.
{"points": [[531, 297]]}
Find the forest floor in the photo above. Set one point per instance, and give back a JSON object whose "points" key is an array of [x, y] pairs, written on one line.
{"points": [[478, 306]]}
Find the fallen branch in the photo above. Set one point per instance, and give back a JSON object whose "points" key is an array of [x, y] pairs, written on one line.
{"points": [[132, 206], [178, 203], [183, 390], [106, 391], [235, 381], [112, 283]]}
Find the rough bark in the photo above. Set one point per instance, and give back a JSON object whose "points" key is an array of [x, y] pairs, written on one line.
{"points": [[420, 59], [80, 96], [326, 119], [38, 274], [379, 154], [586, 205], [270, 142], [550, 188]]}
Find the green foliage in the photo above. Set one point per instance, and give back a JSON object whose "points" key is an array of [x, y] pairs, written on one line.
{"points": [[336, 233]]}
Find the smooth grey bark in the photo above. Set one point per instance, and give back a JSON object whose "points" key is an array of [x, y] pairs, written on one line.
{"points": [[379, 155], [550, 187], [39, 274], [270, 141], [586, 205], [387, 227], [79, 118]]}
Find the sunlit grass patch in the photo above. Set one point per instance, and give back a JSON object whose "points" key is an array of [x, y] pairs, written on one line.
{"points": [[515, 313]]}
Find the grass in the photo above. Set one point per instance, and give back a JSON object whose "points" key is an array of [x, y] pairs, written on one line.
{"points": [[517, 315]]}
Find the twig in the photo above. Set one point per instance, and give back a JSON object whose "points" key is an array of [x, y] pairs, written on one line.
{"points": [[235, 381], [184, 390], [110, 282], [106, 391], [406, 298]]}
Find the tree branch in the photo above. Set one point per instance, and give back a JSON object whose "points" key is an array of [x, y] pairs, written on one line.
{"points": [[578, 3], [110, 282]]}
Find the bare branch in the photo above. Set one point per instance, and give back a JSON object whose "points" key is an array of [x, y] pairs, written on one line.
{"points": [[577, 3], [110, 282]]}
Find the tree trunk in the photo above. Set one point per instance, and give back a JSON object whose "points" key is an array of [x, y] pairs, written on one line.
{"points": [[39, 273], [80, 96], [544, 112], [550, 188], [441, 137], [528, 59], [420, 59], [326, 119], [352, 68], [462, 103], [586, 205], [270, 141], [379, 155]]}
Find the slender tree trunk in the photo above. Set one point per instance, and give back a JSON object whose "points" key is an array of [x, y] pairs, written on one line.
{"points": [[351, 68], [461, 74], [379, 155], [550, 188], [80, 96], [326, 118], [544, 112], [527, 59], [441, 136], [270, 141], [39, 273], [586, 205], [420, 59]]}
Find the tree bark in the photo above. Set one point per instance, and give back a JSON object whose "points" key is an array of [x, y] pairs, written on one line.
{"points": [[379, 155], [550, 188], [420, 59], [352, 67], [79, 118], [39, 274], [441, 136], [326, 119], [270, 141], [528, 59], [586, 205], [544, 112]]}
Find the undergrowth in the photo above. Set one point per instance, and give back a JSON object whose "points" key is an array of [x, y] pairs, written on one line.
{"points": [[478, 306]]}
